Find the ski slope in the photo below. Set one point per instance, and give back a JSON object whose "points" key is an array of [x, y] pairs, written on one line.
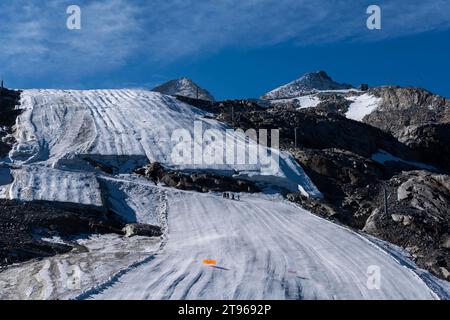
{"points": [[265, 249], [59, 129]]}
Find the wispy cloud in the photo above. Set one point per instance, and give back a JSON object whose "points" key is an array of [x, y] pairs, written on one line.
{"points": [[34, 40]]}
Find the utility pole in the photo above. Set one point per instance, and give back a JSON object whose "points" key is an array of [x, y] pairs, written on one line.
{"points": [[296, 137], [385, 202]]}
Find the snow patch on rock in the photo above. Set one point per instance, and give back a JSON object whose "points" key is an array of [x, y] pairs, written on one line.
{"points": [[383, 156], [362, 106]]}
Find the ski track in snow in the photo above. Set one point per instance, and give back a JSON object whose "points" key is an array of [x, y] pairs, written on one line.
{"points": [[108, 255], [264, 250]]}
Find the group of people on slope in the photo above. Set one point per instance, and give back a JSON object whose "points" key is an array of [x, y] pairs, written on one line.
{"points": [[231, 196]]}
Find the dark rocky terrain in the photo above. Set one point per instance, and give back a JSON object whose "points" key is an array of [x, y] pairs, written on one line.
{"points": [[431, 141], [200, 182], [405, 107], [417, 219], [8, 101], [225, 108], [23, 224]]}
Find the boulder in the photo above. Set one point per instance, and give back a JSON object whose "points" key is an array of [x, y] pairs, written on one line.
{"points": [[397, 218], [445, 273], [446, 243], [139, 229]]}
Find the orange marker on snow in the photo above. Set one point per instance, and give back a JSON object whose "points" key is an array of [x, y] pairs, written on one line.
{"points": [[209, 262]]}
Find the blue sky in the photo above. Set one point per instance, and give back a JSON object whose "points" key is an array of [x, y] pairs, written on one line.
{"points": [[234, 48]]}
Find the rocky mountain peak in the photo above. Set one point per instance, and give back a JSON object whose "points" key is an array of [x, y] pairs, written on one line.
{"points": [[318, 75], [184, 87], [309, 83]]}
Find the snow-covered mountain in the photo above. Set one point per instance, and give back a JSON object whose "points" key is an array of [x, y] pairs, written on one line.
{"points": [[309, 83], [184, 87]]}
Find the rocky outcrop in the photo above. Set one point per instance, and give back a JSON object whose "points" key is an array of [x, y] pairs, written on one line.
{"points": [[417, 219], [431, 141], [330, 102], [23, 224], [347, 180], [418, 209], [196, 181], [26, 228], [322, 130], [139, 229], [344, 166], [224, 109], [9, 99], [404, 107]]}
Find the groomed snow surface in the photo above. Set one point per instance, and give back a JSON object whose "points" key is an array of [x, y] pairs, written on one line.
{"points": [[58, 129], [265, 248]]}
